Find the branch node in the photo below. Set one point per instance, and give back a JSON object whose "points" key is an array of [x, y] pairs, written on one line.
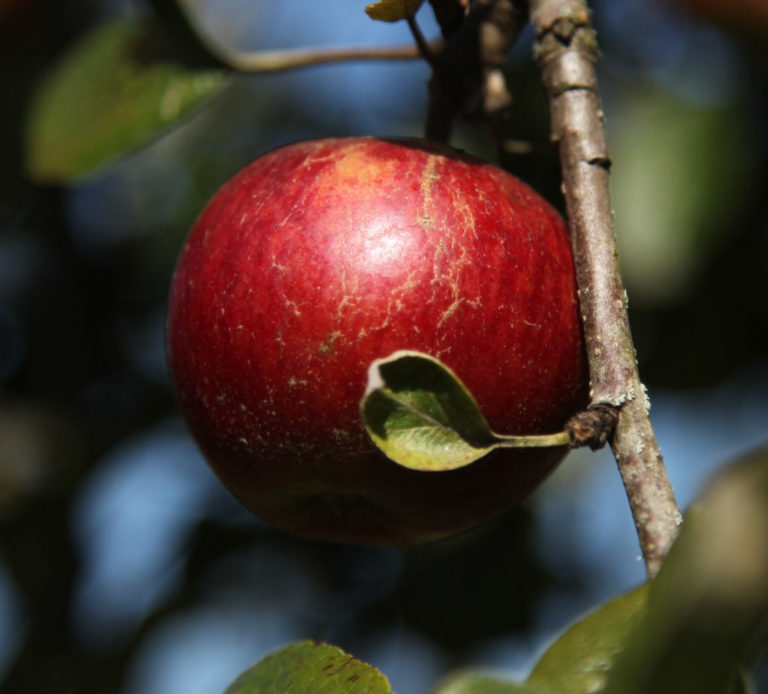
{"points": [[564, 29], [603, 161], [593, 427]]}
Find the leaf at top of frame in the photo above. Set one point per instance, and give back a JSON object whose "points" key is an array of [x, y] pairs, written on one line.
{"points": [[392, 10]]}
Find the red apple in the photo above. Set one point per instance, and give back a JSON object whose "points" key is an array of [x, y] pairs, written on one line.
{"points": [[322, 256]]}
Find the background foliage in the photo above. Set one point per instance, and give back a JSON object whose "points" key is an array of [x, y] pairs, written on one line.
{"points": [[124, 567]]}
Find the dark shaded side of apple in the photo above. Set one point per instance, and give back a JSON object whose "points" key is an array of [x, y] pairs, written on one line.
{"points": [[322, 256]]}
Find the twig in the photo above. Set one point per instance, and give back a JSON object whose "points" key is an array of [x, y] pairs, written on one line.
{"points": [[205, 50], [566, 51], [289, 59]]}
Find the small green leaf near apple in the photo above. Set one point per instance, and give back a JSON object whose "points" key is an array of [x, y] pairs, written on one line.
{"points": [[386, 245], [420, 414]]}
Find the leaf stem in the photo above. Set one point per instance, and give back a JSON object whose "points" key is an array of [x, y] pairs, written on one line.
{"points": [[566, 50], [561, 438]]}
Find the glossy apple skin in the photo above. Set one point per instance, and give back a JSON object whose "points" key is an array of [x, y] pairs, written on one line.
{"points": [[324, 255]]}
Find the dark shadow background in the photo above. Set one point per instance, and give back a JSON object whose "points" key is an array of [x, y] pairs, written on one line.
{"points": [[124, 567]]}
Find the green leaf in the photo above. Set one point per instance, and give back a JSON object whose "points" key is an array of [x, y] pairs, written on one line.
{"points": [[103, 100], [674, 201], [418, 412], [479, 683], [392, 10], [578, 662], [310, 668], [710, 597]]}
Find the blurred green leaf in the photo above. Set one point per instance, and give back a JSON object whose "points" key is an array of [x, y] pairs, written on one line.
{"points": [[679, 171], [710, 598], [418, 412], [310, 668], [392, 10], [105, 98], [579, 661], [477, 683]]}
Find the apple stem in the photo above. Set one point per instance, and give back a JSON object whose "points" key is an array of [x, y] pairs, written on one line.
{"points": [[425, 50], [477, 38], [566, 50]]}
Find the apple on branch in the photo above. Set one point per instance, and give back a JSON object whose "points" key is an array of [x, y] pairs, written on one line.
{"points": [[322, 257]]}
